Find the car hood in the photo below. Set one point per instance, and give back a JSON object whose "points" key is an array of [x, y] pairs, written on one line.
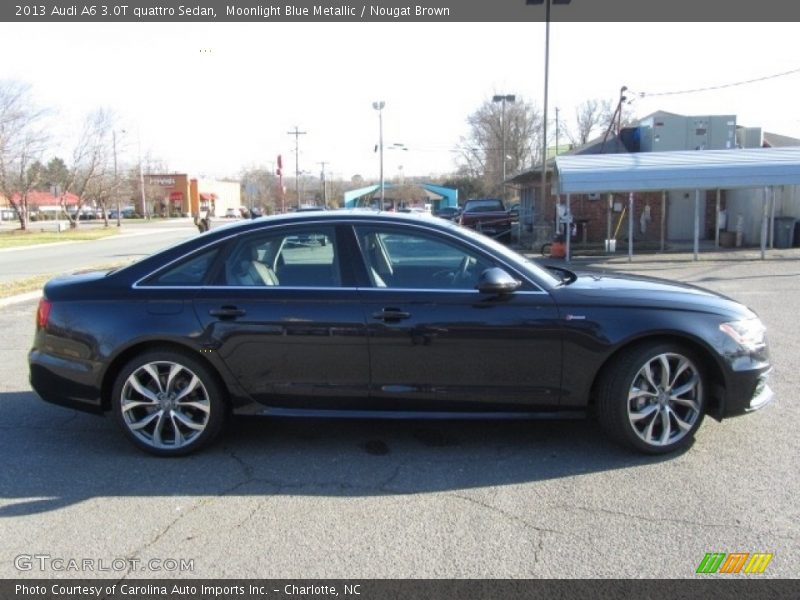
{"points": [[619, 289]]}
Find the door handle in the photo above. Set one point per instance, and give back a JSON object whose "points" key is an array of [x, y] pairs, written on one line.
{"points": [[227, 312], [390, 315]]}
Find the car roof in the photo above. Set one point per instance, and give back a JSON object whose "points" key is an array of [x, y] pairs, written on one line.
{"points": [[348, 214]]}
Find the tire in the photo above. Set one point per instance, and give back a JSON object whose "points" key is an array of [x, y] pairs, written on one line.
{"points": [[168, 403], [546, 248], [653, 398]]}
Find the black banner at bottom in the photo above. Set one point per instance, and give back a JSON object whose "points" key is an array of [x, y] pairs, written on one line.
{"points": [[709, 587]]}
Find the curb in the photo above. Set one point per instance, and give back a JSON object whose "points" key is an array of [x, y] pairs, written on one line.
{"points": [[19, 298], [52, 244], [118, 236]]}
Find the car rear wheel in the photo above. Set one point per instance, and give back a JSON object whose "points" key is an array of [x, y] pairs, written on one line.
{"points": [[168, 403], [652, 398]]}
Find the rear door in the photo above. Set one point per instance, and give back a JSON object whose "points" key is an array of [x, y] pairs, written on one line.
{"points": [[287, 321]]}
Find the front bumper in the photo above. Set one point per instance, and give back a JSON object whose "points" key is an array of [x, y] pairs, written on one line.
{"points": [[748, 392]]}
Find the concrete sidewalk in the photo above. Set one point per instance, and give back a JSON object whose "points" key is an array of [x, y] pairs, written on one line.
{"points": [[679, 255]]}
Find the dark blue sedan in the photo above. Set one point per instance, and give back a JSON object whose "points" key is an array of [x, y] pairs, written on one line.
{"points": [[374, 315]]}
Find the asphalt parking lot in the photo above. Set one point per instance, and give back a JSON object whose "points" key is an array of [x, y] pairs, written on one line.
{"points": [[355, 499]]}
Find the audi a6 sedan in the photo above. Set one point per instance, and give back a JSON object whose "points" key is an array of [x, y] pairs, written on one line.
{"points": [[374, 314]]}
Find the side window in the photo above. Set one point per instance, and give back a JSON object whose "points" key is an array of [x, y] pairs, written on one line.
{"points": [[402, 260], [300, 258], [189, 272]]}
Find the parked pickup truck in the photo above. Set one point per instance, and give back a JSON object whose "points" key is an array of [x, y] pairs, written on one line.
{"points": [[489, 216]]}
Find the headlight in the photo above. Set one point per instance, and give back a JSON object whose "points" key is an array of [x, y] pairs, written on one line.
{"points": [[749, 334]]}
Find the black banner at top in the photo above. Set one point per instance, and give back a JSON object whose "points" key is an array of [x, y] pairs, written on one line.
{"points": [[399, 11]]}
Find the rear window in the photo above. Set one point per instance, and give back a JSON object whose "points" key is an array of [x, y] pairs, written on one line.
{"points": [[188, 272], [483, 206]]}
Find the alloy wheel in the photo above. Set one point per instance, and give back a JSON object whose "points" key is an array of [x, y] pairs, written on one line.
{"points": [[665, 399], [165, 405]]}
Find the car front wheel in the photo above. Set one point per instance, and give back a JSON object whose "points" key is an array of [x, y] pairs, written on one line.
{"points": [[168, 403], [652, 398]]}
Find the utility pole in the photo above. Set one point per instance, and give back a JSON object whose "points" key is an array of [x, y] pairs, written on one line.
{"points": [[324, 184], [145, 212], [556, 154], [297, 133], [116, 191]]}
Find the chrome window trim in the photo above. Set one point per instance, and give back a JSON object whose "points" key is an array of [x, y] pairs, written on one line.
{"points": [[295, 288]]}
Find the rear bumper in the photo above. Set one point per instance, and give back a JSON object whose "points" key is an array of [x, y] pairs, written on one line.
{"points": [[64, 382]]}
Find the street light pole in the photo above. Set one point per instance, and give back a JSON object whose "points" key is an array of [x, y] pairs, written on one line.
{"points": [[547, 4], [379, 107], [503, 99], [544, 110]]}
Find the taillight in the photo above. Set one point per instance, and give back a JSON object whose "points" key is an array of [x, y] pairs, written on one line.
{"points": [[43, 313]]}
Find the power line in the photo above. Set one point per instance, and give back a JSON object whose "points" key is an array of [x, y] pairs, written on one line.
{"points": [[720, 87]]}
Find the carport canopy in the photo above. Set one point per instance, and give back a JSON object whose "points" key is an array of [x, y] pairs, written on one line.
{"points": [[663, 171], [696, 169]]}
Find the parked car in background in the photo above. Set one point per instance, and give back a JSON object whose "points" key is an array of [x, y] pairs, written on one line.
{"points": [[87, 213], [393, 315], [451, 213], [126, 213], [488, 216]]}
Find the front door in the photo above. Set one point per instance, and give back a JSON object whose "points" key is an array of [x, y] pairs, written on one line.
{"points": [[436, 343]]}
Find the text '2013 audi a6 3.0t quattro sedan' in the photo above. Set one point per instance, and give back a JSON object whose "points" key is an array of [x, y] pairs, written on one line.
{"points": [[373, 315]]}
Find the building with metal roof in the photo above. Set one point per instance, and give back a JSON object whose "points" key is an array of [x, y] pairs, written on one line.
{"points": [[656, 171], [765, 168], [709, 153]]}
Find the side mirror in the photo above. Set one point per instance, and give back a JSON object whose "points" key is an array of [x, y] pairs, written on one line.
{"points": [[496, 281]]}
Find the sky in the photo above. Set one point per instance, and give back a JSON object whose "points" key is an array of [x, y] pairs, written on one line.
{"points": [[210, 99]]}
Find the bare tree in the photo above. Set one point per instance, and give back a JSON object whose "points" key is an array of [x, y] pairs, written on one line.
{"points": [[22, 142], [91, 162], [610, 117], [260, 188], [481, 151], [99, 192], [595, 117], [138, 178], [590, 116]]}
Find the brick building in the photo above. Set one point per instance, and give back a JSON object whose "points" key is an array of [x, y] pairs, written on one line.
{"points": [[176, 194], [667, 216]]}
